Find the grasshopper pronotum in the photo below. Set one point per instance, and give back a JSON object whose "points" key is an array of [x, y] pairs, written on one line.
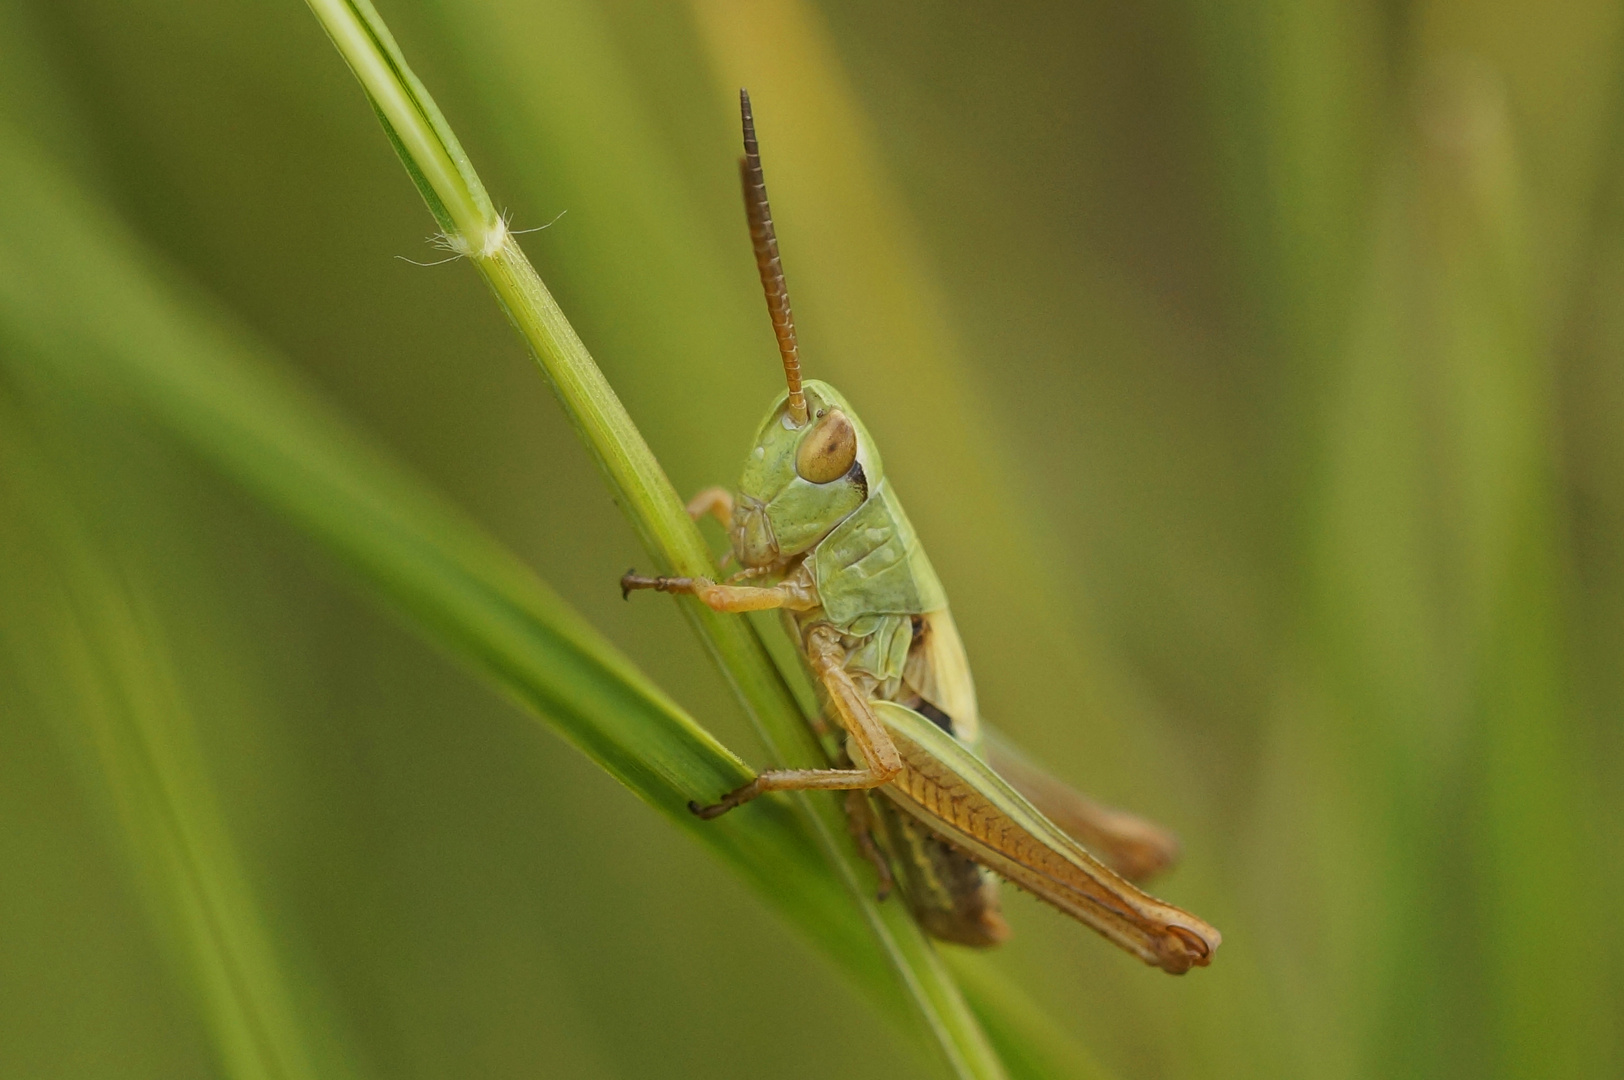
{"points": [[821, 535]]}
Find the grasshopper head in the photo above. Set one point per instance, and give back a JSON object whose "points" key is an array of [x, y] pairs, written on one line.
{"points": [[800, 481]]}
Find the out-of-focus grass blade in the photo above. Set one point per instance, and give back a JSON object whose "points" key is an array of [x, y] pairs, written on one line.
{"points": [[1511, 569], [1594, 449], [93, 661], [1294, 95], [1439, 604]]}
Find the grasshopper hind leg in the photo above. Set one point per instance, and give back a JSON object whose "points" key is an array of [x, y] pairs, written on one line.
{"points": [[866, 738]]}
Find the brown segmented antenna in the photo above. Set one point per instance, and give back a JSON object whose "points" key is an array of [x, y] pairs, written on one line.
{"points": [[765, 242]]}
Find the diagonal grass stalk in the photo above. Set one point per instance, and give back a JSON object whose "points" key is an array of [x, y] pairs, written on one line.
{"points": [[471, 227], [89, 324]]}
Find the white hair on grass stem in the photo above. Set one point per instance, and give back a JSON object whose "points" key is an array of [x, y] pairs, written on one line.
{"points": [[495, 237], [537, 228]]}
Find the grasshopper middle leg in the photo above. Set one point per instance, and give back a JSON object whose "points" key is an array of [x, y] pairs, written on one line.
{"points": [[880, 759]]}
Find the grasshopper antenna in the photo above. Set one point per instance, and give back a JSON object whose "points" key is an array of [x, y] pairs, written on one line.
{"points": [[765, 241]]}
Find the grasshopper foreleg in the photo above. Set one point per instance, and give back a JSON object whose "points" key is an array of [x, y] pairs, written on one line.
{"points": [[881, 761], [796, 593]]}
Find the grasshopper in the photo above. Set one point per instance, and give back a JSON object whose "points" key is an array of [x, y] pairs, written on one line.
{"points": [[821, 536]]}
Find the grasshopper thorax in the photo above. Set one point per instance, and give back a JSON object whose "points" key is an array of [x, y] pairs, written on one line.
{"points": [[800, 481]]}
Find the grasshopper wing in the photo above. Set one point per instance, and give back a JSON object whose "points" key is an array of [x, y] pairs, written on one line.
{"points": [[958, 796]]}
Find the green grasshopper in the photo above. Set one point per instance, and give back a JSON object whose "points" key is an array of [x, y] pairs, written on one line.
{"points": [[821, 535]]}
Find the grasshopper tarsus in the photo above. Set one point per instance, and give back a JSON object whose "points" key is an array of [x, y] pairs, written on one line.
{"points": [[631, 580], [731, 801]]}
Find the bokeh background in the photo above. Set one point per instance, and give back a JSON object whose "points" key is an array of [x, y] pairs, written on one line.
{"points": [[1254, 372]]}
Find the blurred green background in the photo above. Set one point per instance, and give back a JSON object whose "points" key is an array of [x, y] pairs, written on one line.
{"points": [[1253, 371]]}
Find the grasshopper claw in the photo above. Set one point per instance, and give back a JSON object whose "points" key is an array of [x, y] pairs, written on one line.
{"points": [[707, 813], [632, 580]]}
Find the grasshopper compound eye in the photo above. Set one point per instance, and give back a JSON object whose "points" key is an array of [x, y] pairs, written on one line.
{"points": [[828, 450]]}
